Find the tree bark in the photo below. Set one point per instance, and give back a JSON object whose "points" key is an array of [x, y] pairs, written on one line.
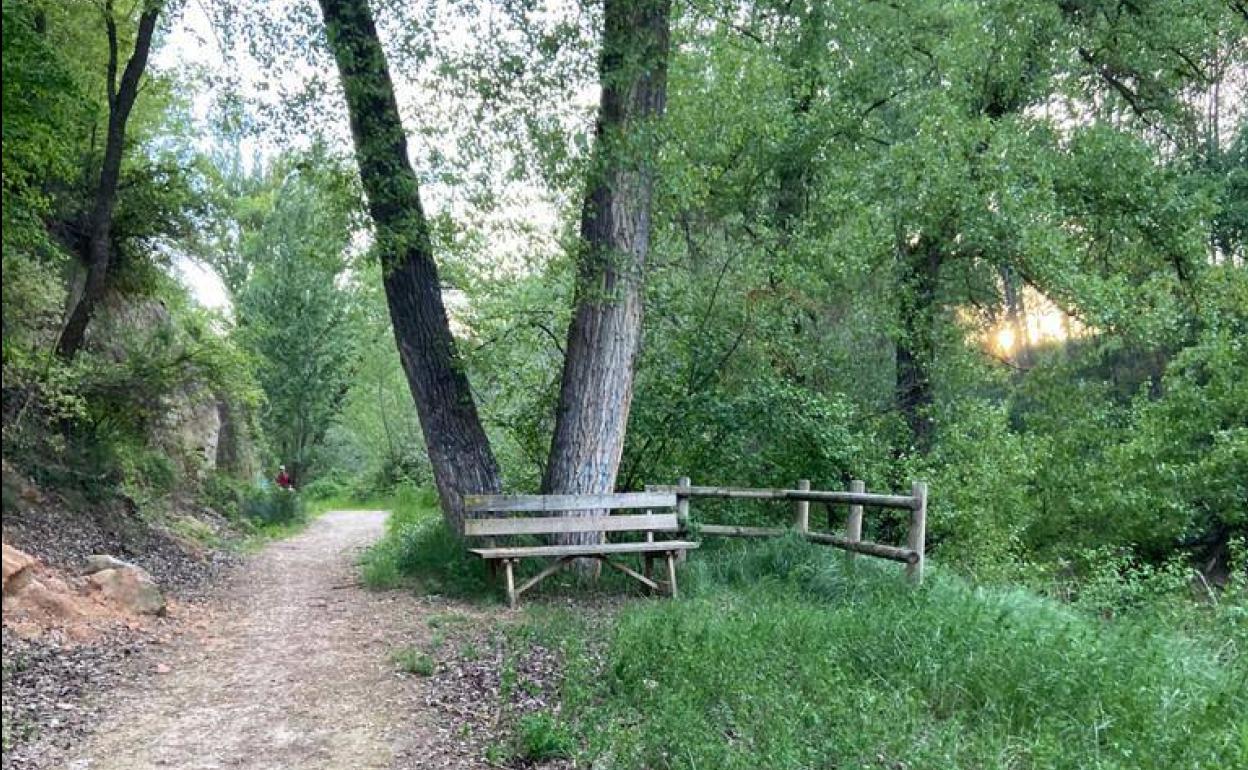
{"points": [[916, 345], [795, 166], [98, 246], [459, 450], [1016, 314], [605, 333]]}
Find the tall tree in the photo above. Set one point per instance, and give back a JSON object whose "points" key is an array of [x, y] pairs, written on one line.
{"points": [[299, 311], [458, 447], [96, 251], [605, 332]]}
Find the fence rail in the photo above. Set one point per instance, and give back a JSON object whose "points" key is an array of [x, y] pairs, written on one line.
{"points": [[857, 498]]}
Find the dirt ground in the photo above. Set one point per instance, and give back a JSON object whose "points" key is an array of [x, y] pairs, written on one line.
{"points": [[289, 667]]}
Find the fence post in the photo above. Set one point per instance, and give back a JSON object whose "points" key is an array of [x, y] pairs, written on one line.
{"points": [[853, 525], [682, 510], [918, 531], [801, 509]]}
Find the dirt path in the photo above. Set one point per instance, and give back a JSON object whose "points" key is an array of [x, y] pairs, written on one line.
{"points": [[290, 668]]}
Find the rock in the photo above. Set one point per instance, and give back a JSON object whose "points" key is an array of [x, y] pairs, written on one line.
{"points": [[129, 588], [30, 493], [100, 562], [17, 568]]}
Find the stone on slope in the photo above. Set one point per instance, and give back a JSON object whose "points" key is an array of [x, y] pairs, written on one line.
{"points": [[130, 588], [99, 562]]}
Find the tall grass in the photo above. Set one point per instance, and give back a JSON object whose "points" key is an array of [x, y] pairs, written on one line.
{"points": [[419, 551], [785, 657]]}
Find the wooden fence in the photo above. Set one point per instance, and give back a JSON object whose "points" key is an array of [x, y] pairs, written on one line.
{"points": [[857, 498]]}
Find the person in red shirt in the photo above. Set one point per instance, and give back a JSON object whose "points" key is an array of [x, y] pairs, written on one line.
{"points": [[283, 478]]}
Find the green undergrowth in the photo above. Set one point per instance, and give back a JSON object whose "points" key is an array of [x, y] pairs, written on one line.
{"points": [[419, 551], [262, 514], [785, 656]]}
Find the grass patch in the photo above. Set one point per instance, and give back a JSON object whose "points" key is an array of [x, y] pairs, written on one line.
{"points": [[419, 551], [785, 656], [541, 737], [413, 660]]}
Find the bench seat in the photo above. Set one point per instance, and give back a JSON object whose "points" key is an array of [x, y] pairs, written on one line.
{"points": [[658, 546], [564, 517]]}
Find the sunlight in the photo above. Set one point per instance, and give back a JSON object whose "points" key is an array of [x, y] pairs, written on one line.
{"points": [[1043, 323], [1005, 339]]}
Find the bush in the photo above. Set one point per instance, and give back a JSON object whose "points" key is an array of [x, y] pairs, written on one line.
{"points": [[224, 495], [413, 660], [327, 488], [418, 548], [540, 737], [274, 507]]}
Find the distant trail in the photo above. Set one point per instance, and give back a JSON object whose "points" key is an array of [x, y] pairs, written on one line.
{"points": [[290, 668]]}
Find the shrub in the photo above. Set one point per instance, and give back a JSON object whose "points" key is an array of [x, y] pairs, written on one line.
{"points": [[274, 507], [224, 495], [419, 548], [413, 660], [327, 488], [540, 737]]}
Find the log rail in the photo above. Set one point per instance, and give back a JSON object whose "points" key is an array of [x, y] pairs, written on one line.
{"points": [[857, 498]]}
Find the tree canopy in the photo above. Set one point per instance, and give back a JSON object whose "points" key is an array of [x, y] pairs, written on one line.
{"points": [[997, 245]]}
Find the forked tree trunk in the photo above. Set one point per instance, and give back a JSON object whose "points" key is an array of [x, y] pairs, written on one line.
{"points": [[605, 332], [458, 447], [98, 249]]}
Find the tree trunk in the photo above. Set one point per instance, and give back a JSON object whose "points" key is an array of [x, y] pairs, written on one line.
{"points": [[1016, 315], [796, 167], [916, 345], [605, 332], [98, 247], [458, 447]]}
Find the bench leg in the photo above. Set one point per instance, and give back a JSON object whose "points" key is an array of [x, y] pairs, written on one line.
{"points": [[511, 584], [648, 563], [671, 574]]}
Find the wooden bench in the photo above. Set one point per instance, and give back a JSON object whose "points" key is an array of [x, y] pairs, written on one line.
{"points": [[493, 527]]}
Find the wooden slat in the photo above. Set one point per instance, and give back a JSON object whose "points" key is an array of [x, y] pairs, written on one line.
{"points": [[551, 525], [653, 585], [621, 500], [520, 552], [814, 496], [539, 577], [855, 498], [723, 530], [728, 493], [892, 553], [874, 549]]}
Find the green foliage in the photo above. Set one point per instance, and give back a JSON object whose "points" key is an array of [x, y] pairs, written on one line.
{"points": [[783, 657], [540, 737], [376, 438], [418, 548], [413, 660], [273, 506], [297, 311]]}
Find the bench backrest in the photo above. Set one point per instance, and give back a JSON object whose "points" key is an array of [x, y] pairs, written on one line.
{"points": [[496, 526]]}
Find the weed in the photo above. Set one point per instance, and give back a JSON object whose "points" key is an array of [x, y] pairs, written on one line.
{"points": [[541, 737], [413, 660]]}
